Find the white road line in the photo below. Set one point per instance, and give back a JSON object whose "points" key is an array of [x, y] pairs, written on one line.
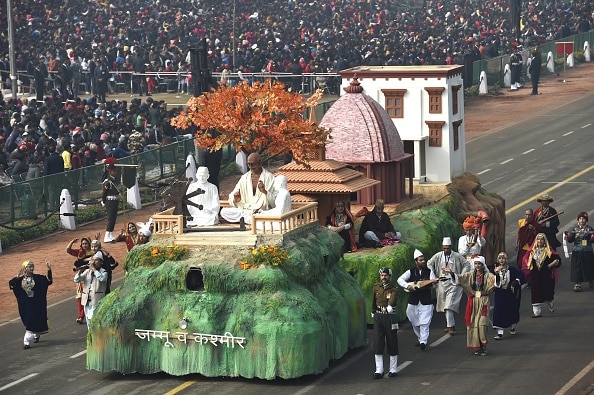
{"points": [[402, 366], [549, 142], [568, 133], [574, 380], [506, 161], [78, 354], [527, 152], [7, 386], [586, 125], [483, 172], [440, 340]]}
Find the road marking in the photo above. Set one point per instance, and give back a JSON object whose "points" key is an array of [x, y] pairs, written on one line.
{"points": [[181, 387], [546, 191], [506, 161], [483, 172], [7, 386], [527, 152], [575, 379], [78, 354], [568, 133], [403, 366], [549, 142], [440, 340], [571, 182], [586, 125]]}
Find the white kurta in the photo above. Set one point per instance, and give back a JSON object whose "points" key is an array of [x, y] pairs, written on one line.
{"points": [[419, 315], [465, 250], [209, 215], [250, 201], [448, 294]]}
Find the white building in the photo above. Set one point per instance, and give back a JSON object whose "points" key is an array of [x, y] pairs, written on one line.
{"points": [[426, 104]]}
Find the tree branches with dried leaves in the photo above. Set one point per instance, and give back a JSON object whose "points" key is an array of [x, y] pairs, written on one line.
{"points": [[262, 118]]}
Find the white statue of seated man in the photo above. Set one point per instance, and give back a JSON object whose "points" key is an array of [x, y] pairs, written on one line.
{"points": [[282, 202], [254, 192], [205, 207]]}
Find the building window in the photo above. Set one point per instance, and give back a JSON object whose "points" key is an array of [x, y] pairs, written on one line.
{"points": [[394, 102], [456, 125], [435, 104], [435, 133], [455, 90]]}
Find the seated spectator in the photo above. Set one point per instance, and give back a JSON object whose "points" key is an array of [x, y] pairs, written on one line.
{"points": [[377, 229], [341, 221]]}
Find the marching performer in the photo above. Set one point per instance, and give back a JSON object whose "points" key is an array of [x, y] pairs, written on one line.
{"points": [[110, 198], [384, 325], [548, 219], [582, 255], [418, 281]]}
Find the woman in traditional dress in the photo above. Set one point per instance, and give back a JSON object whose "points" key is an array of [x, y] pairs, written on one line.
{"points": [[478, 284], [341, 221], [508, 294], [131, 236], [582, 255], [542, 263], [82, 255]]}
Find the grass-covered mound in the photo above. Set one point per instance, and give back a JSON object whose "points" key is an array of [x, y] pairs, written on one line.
{"points": [[295, 317], [421, 229]]}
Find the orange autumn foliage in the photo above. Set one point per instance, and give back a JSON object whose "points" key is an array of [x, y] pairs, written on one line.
{"points": [[262, 118]]}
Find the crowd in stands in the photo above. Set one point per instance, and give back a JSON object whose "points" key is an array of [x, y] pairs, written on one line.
{"points": [[81, 46]]}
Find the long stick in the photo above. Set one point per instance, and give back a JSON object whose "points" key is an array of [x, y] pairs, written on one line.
{"points": [[552, 216]]}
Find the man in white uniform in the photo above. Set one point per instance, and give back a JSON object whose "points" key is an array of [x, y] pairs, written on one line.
{"points": [[254, 192], [420, 306], [448, 294], [205, 212], [472, 242]]}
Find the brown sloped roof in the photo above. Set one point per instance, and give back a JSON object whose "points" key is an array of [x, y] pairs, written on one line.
{"points": [[327, 176]]}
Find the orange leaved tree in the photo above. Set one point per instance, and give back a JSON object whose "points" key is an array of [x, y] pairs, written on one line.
{"points": [[262, 118]]}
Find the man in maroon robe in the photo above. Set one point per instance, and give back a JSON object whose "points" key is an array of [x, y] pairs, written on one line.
{"points": [[528, 228]]}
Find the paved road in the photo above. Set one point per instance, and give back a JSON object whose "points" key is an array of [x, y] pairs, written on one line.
{"points": [[551, 355]]}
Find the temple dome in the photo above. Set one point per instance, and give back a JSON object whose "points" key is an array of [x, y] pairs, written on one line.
{"points": [[362, 131]]}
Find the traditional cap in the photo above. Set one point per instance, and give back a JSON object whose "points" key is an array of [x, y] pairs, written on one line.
{"points": [[145, 232], [545, 198], [96, 243], [446, 241], [98, 255], [110, 163], [27, 263], [386, 270], [468, 222], [417, 254], [584, 215], [379, 203], [479, 258]]}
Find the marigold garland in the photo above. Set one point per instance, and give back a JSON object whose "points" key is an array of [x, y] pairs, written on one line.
{"points": [[264, 256]]}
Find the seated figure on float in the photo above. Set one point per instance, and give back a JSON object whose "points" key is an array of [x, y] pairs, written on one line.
{"points": [[253, 192], [202, 200], [282, 202]]}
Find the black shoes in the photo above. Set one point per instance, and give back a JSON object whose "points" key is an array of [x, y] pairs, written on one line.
{"points": [[498, 337], [378, 375], [392, 374], [423, 346], [26, 347]]}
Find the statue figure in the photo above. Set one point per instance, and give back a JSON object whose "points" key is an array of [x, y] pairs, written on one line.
{"points": [[202, 200]]}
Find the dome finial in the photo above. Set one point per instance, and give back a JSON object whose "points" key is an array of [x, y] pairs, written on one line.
{"points": [[354, 86]]}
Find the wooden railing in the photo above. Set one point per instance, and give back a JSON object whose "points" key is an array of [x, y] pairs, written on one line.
{"points": [[166, 223], [274, 224]]}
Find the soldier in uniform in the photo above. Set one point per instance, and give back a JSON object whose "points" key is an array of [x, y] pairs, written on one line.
{"points": [[384, 323], [110, 198]]}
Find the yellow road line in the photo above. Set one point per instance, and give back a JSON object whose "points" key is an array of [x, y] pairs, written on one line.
{"points": [[546, 191], [180, 387]]}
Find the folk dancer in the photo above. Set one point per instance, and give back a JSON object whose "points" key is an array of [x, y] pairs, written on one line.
{"points": [[582, 256], [548, 219], [94, 279], [385, 326], [31, 293], [448, 294], [508, 295], [472, 242], [478, 284], [528, 228], [542, 263], [420, 305]]}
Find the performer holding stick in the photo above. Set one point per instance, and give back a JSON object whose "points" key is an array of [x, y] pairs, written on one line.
{"points": [[548, 219]]}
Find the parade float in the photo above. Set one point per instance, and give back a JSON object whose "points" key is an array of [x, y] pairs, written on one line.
{"points": [[278, 303]]}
